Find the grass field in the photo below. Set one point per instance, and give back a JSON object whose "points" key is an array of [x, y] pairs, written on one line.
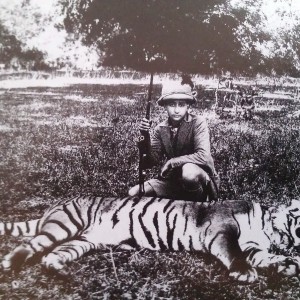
{"points": [[81, 139]]}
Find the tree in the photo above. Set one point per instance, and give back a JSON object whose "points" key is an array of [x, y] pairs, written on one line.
{"points": [[10, 46], [284, 52], [33, 59], [282, 48], [191, 35], [38, 24]]}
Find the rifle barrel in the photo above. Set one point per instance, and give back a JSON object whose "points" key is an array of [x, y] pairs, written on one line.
{"points": [[149, 97], [144, 139]]}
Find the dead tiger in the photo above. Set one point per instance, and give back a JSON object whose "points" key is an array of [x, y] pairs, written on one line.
{"points": [[238, 233]]}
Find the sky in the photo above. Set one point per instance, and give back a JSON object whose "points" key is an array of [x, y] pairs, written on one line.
{"points": [[270, 8]]}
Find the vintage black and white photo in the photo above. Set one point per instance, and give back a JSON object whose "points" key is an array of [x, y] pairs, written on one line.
{"points": [[149, 149]]}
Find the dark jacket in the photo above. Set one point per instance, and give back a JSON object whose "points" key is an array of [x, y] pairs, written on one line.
{"points": [[191, 144]]}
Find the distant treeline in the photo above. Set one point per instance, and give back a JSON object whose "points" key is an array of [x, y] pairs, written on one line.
{"points": [[114, 73]]}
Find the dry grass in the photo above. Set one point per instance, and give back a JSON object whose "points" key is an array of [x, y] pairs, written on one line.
{"points": [[62, 142]]}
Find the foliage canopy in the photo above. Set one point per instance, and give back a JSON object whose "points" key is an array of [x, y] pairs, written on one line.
{"points": [[191, 36]]}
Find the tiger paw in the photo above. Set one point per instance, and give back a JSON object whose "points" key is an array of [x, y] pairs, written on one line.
{"points": [[241, 271], [53, 262], [6, 265], [290, 267]]}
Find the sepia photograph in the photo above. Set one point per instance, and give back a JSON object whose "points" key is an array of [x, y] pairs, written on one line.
{"points": [[149, 149]]}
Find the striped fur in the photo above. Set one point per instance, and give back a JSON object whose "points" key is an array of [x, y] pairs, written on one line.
{"points": [[238, 233]]}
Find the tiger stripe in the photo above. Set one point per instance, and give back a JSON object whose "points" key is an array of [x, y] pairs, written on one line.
{"points": [[237, 223], [89, 212], [161, 244], [61, 226], [191, 246], [147, 205], [167, 206], [71, 218], [97, 209], [115, 215], [147, 233], [78, 212], [51, 237]]}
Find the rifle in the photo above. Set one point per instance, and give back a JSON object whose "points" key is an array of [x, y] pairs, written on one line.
{"points": [[143, 144], [216, 95]]}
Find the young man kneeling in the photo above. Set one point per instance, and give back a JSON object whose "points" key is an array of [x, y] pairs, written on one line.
{"points": [[183, 140]]}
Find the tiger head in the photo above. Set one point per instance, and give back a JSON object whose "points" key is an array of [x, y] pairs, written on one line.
{"points": [[286, 219]]}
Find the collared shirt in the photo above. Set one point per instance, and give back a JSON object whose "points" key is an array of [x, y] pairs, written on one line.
{"points": [[174, 136]]}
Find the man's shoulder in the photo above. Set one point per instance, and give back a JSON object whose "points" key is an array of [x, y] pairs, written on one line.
{"points": [[197, 119]]}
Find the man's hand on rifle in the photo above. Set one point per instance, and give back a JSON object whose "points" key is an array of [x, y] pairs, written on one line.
{"points": [[166, 169], [145, 125]]}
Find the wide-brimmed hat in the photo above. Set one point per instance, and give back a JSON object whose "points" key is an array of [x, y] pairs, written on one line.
{"points": [[175, 90]]}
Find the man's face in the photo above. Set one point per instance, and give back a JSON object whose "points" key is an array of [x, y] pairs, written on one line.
{"points": [[176, 110]]}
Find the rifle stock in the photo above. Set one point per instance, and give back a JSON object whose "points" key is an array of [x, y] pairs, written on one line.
{"points": [[143, 144]]}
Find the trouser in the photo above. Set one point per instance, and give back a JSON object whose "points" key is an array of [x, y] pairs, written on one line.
{"points": [[190, 182], [199, 186]]}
